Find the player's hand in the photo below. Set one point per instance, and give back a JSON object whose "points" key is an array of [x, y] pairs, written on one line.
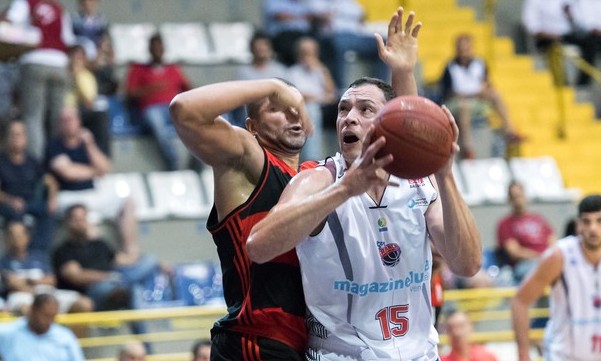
{"points": [[288, 98], [400, 49], [445, 170], [366, 171]]}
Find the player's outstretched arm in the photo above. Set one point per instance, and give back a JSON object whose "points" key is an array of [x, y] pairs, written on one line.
{"points": [[197, 117], [451, 224], [399, 51], [308, 199], [546, 272]]}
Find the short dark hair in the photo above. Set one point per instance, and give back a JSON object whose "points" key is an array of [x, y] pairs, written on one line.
{"points": [[386, 88], [41, 299], [258, 35], [69, 211], [590, 204], [200, 343]]}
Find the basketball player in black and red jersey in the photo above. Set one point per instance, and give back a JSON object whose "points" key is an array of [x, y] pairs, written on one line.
{"points": [[251, 167]]}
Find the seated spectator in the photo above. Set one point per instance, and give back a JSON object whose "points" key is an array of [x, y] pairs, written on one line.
{"points": [[86, 263], [262, 66], [152, 86], [523, 235], [84, 95], [286, 21], [341, 29], [104, 68], [38, 337], [459, 330], [201, 350], [133, 351], [27, 273], [315, 83], [89, 26], [467, 92], [25, 188], [586, 23], [76, 161]]}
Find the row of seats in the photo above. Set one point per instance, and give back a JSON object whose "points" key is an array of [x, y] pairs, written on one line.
{"points": [[161, 195], [189, 43], [485, 180], [189, 194]]}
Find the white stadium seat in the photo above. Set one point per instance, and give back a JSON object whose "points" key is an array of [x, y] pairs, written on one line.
{"points": [[130, 42], [541, 179], [178, 193], [486, 179], [231, 41], [187, 42]]}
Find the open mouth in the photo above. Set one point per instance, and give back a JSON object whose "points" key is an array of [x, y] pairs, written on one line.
{"points": [[350, 139]]}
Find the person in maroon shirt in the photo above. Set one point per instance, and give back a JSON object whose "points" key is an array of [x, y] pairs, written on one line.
{"points": [[522, 235], [152, 86]]}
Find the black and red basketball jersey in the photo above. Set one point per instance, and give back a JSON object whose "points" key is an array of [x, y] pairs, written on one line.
{"points": [[264, 300]]}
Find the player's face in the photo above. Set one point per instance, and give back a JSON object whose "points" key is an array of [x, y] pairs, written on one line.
{"points": [[589, 228], [357, 110], [279, 129]]}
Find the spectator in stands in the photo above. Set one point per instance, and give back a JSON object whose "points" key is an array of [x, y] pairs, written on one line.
{"points": [[38, 337], [25, 188], [104, 68], [459, 329], [83, 94], [201, 350], [76, 162], [89, 27], [313, 79], [286, 21], [153, 86], [87, 263], [571, 270], [468, 93], [133, 351], [44, 74], [262, 66], [523, 235], [27, 273], [9, 81], [586, 23], [341, 29]]}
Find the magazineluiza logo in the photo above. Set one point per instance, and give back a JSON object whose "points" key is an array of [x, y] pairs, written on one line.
{"points": [[413, 281]]}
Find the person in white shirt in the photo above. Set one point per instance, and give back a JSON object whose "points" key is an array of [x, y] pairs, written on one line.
{"points": [[571, 269], [363, 236]]}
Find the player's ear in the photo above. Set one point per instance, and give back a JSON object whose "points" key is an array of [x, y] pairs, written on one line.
{"points": [[251, 126]]}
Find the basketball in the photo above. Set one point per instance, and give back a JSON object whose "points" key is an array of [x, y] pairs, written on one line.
{"points": [[418, 135]]}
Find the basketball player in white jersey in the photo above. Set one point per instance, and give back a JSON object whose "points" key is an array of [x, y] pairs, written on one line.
{"points": [[363, 236], [572, 269]]}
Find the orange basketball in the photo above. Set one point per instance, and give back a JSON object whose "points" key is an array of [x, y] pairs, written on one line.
{"points": [[418, 134]]}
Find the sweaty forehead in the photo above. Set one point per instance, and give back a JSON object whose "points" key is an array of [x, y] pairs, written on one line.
{"points": [[366, 92]]}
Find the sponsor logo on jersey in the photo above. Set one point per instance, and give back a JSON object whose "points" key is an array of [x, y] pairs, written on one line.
{"points": [[414, 281], [419, 202], [382, 225], [416, 183], [390, 253]]}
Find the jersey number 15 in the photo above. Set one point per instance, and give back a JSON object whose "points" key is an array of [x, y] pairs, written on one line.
{"points": [[392, 321]]}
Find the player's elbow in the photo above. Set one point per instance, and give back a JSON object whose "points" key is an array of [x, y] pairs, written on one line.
{"points": [[255, 251], [467, 268]]}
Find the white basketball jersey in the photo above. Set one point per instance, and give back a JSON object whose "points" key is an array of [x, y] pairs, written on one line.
{"points": [[574, 331], [366, 276]]}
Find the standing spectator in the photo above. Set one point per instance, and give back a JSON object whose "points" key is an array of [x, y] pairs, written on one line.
{"points": [[86, 263], [89, 27], [315, 83], [44, 74], [201, 350], [341, 29], [285, 22], [104, 68], [467, 92], [153, 86], [27, 273], [584, 17], [133, 351], [523, 235], [9, 81], [76, 161], [25, 188], [38, 337], [571, 269], [459, 329], [262, 66], [84, 95]]}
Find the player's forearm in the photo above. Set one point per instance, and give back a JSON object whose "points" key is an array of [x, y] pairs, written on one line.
{"points": [[403, 82], [520, 328], [203, 105], [462, 247], [288, 225]]}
